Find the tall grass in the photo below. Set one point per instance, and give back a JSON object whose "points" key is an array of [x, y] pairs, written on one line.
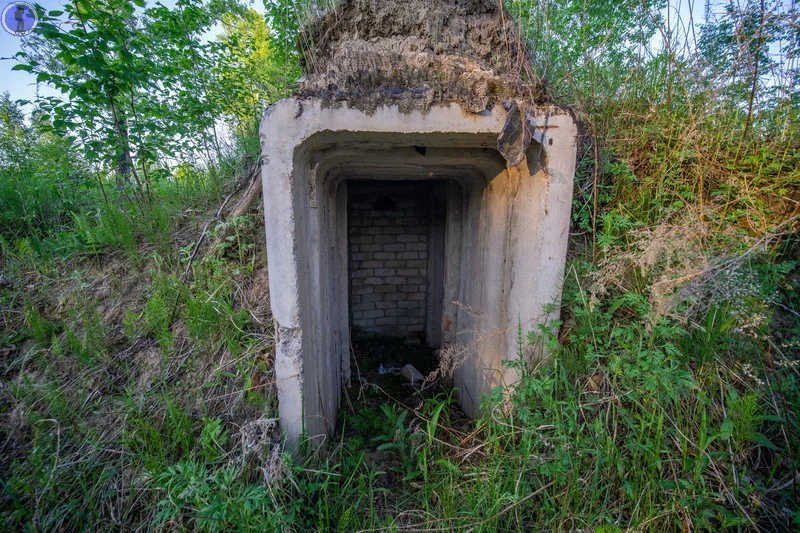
{"points": [[700, 108], [138, 391]]}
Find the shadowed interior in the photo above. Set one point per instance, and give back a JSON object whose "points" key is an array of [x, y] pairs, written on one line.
{"points": [[396, 258]]}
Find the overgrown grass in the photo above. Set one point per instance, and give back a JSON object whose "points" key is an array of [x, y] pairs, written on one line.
{"points": [[119, 355], [623, 429], [137, 388], [101, 405]]}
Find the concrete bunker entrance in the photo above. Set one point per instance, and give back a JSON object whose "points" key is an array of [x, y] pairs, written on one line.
{"points": [[403, 225], [494, 239]]}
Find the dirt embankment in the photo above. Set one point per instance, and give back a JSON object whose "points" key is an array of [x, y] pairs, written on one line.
{"points": [[415, 54]]}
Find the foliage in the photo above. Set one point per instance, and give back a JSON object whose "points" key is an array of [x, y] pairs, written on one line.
{"points": [[255, 72], [41, 181], [134, 370], [141, 86]]}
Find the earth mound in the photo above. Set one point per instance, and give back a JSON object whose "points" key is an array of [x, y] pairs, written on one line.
{"points": [[416, 54]]}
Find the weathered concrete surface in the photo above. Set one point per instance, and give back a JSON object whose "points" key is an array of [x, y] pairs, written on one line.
{"points": [[505, 237]]}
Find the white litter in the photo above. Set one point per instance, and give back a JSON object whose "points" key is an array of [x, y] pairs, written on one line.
{"points": [[389, 370]]}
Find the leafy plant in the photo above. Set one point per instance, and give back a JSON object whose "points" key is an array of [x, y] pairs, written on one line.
{"points": [[399, 439]]}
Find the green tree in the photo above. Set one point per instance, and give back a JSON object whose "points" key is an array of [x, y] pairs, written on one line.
{"points": [[41, 180], [255, 72], [136, 83]]}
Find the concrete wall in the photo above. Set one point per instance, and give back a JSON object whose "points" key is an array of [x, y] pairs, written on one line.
{"points": [[504, 238], [388, 230]]}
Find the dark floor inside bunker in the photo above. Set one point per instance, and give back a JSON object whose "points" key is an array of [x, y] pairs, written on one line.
{"points": [[379, 361]]}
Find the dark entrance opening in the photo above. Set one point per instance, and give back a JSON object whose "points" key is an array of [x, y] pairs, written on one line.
{"points": [[396, 259], [396, 232]]}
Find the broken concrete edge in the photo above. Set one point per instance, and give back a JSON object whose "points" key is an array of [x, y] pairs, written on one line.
{"points": [[287, 131]]}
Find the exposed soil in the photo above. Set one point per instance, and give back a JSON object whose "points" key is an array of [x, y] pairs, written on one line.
{"points": [[415, 54]]}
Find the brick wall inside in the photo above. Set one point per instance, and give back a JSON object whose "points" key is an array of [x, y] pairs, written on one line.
{"points": [[389, 226]]}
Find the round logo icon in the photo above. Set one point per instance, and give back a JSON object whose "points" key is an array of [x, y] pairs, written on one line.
{"points": [[20, 18]]}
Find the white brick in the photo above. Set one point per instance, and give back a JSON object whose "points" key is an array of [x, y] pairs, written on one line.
{"points": [[363, 291], [383, 289]]}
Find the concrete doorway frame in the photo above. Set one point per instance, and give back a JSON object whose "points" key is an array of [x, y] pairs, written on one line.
{"points": [[506, 238]]}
